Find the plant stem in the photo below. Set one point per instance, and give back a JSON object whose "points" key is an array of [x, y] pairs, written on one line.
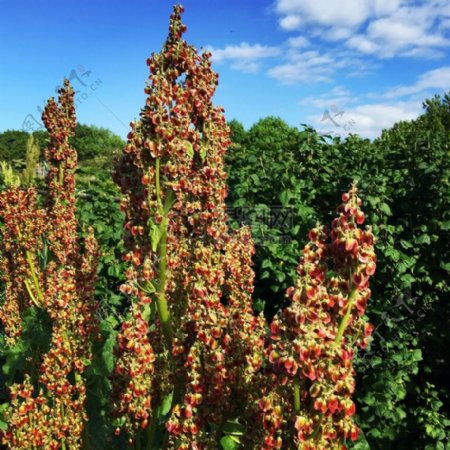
{"points": [[30, 292], [344, 323], [161, 301], [34, 276], [151, 430], [296, 394]]}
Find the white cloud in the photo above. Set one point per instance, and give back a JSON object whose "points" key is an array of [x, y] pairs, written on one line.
{"points": [[290, 22], [371, 119], [298, 42], [313, 66], [336, 33], [367, 120], [362, 44], [423, 53], [244, 57], [384, 7], [348, 13], [436, 79], [337, 98], [405, 30], [304, 67], [360, 115], [384, 28], [244, 51]]}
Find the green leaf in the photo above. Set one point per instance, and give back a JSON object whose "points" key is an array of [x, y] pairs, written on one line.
{"points": [[3, 423], [149, 287], [166, 404], [406, 244], [254, 178], [281, 276], [407, 279], [384, 207], [285, 197], [234, 428], [423, 239], [264, 275], [203, 152], [108, 352], [417, 355], [155, 235], [228, 443], [189, 149]]}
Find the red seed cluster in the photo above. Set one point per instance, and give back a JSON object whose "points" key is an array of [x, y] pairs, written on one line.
{"points": [[174, 185], [133, 373], [192, 280], [60, 121], [47, 410], [312, 341], [24, 224]]}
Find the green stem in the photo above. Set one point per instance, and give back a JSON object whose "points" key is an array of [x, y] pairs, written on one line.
{"points": [[30, 292], [346, 318], [296, 394], [161, 301], [151, 430], [34, 276]]}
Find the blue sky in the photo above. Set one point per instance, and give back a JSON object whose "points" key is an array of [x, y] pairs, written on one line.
{"points": [[344, 66]]}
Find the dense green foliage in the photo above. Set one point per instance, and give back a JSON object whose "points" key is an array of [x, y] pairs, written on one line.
{"points": [[404, 178], [90, 141], [282, 181], [13, 144], [93, 142]]}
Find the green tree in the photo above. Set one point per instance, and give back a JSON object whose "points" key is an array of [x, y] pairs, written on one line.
{"points": [[92, 142], [238, 132], [13, 145]]}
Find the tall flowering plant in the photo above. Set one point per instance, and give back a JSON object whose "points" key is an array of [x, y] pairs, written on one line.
{"points": [[191, 335], [312, 341], [189, 280], [45, 265]]}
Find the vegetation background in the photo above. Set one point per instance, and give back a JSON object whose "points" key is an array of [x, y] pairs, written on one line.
{"points": [[282, 180]]}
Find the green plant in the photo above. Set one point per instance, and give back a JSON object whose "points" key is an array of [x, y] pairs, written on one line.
{"points": [[31, 161]]}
